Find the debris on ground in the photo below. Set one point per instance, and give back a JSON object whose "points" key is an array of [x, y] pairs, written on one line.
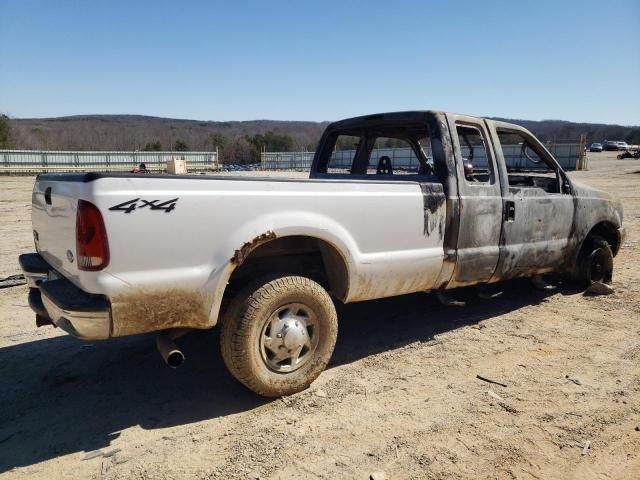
{"points": [[573, 380], [495, 395], [586, 447], [502, 402], [111, 453], [378, 476], [599, 288], [488, 380], [320, 393], [12, 281], [508, 407], [101, 453], [93, 454]]}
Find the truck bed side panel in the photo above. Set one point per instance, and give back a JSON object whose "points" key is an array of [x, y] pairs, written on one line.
{"points": [[169, 266]]}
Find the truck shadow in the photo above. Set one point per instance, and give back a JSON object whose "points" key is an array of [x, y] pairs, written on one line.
{"points": [[61, 396]]}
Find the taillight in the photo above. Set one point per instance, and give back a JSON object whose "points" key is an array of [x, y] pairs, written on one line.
{"points": [[92, 248]]}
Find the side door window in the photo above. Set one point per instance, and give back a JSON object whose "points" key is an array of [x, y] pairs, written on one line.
{"points": [[526, 165], [478, 168]]}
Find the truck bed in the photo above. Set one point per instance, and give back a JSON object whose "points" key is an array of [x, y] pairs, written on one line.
{"points": [[174, 240]]}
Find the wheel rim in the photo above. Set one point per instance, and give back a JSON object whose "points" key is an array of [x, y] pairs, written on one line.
{"points": [[289, 337]]}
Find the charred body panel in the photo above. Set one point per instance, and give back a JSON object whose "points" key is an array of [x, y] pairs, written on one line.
{"points": [[480, 215], [553, 217], [444, 164], [597, 213], [434, 201], [537, 239]]}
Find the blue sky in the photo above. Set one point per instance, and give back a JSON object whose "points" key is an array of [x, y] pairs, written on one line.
{"points": [[323, 60]]}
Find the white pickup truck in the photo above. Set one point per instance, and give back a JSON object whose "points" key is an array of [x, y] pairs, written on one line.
{"points": [[396, 203]]}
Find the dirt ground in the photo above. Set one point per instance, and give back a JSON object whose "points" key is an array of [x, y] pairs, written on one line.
{"points": [[400, 395]]}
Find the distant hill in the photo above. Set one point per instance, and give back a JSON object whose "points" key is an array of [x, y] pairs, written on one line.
{"points": [[240, 141], [561, 131], [135, 132]]}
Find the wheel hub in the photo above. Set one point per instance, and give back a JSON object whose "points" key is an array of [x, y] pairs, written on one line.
{"points": [[294, 335], [288, 338]]}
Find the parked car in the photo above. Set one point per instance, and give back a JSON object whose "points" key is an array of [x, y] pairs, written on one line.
{"points": [[622, 146], [595, 147], [121, 254], [610, 145]]}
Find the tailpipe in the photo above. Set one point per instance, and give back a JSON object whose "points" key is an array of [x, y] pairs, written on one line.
{"points": [[170, 352]]}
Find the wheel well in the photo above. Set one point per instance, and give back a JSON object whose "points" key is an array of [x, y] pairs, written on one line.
{"points": [[298, 255], [607, 232]]}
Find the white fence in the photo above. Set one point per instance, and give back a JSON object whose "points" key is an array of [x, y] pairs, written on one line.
{"points": [[31, 161], [567, 155]]}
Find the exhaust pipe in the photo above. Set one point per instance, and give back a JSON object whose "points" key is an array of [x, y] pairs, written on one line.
{"points": [[170, 352]]}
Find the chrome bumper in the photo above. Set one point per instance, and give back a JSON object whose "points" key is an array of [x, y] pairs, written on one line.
{"points": [[57, 300]]}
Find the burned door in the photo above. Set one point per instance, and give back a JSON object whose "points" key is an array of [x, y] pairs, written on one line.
{"points": [[480, 197], [539, 206]]}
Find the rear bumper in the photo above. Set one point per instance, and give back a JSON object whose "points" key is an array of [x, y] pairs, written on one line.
{"points": [[54, 298]]}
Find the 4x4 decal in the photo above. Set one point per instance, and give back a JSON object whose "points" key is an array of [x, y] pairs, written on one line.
{"points": [[139, 203]]}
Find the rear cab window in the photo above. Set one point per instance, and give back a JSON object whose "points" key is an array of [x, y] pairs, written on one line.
{"points": [[386, 152]]}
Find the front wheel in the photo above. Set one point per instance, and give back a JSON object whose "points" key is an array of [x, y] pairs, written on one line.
{"points": [[278, 334], [595, 263]]}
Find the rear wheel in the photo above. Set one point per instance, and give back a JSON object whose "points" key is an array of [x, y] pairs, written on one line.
{"points": [[278, 334], [595, 263]]}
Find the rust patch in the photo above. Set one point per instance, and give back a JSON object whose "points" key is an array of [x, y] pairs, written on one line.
{"points": [[242, 253], [144, 311]]}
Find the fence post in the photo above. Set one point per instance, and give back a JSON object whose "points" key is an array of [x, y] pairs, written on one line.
{"points": [[582, 153]]}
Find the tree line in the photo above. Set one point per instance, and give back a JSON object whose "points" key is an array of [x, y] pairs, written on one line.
{"points": [[236, 142], [247, 148]]}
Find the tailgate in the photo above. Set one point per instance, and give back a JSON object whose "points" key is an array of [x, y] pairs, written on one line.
{"points": [[53, 218]]}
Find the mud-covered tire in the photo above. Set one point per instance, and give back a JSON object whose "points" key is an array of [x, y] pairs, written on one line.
{"points": [[260, 307], [594, 264]]}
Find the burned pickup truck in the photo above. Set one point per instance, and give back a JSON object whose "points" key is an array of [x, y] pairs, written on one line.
{"points": [[396, 203]]}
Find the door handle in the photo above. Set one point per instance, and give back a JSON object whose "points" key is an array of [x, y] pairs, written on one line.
{"points": [[509, 211]]}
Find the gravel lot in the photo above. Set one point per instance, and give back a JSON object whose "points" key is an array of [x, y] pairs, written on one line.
{"points": [[400, 396]]}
